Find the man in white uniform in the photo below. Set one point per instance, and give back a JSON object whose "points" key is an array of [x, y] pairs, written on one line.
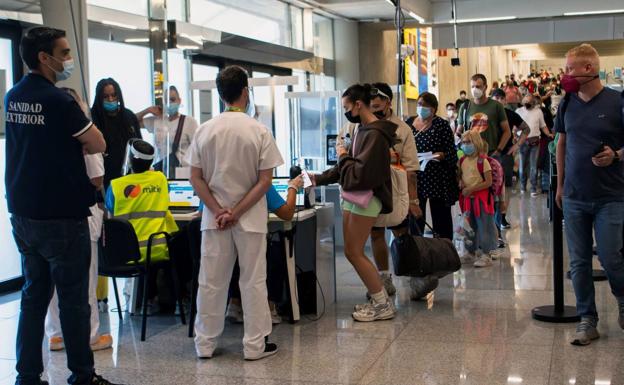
{"points": [[232, 158], [95, 171]]}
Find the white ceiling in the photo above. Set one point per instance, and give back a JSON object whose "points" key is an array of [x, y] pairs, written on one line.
{"points": [[436, 11]]}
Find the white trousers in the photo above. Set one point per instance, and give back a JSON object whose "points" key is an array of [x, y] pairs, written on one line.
{"points": [[219, 251], [53, 322]]}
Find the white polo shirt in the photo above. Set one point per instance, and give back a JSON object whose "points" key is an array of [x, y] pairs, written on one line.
{"points": [[231, 149]]}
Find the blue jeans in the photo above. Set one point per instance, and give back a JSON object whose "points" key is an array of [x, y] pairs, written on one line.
{"points": [[484, 232], [607, 221], [55, 253], [528, 164]]}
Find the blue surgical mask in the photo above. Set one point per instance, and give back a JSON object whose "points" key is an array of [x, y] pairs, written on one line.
{"points": [[172, 109], [111, 106], [68, 68], [424, 112], [468, 148]]}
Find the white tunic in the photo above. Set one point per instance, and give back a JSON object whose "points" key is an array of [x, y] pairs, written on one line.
{"points": [[231, 149]]}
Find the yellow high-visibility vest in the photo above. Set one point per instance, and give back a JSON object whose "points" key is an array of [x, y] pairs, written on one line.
{"points": [[143, 200]]}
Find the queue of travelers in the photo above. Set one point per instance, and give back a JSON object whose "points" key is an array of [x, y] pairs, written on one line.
{"points": [[473, 150]]}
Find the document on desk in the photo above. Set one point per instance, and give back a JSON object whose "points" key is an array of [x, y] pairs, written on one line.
{"points": [[424, 158]]}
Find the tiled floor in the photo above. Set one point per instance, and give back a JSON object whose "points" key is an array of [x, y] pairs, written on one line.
{"points": [[475, 329]]}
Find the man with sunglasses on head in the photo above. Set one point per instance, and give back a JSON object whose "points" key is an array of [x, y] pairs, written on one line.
{"points": [[405, 148]]}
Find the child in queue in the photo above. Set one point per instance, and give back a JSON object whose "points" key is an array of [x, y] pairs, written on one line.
{"points": [[476, 200]]}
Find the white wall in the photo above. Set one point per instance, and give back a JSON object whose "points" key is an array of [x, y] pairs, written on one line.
{"points": [[346, 53]]}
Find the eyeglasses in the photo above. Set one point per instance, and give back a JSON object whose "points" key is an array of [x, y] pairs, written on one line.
{"points": [[378, 92]]}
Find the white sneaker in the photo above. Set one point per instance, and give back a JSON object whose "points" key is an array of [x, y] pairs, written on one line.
{"points": [[234, 314], [375, 312], [467, 258], [586, 331], [483, 261], [102, 306]]}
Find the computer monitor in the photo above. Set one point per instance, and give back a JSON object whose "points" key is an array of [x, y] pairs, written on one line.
{"points": [[182, 195], [281, 185]]}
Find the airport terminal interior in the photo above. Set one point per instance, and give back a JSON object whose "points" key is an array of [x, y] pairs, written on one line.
{"points": [[510, 317]]}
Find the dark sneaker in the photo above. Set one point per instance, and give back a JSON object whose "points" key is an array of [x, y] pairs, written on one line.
{"points": [[421, 287], [505, 224], [621, 309], [269, 349], [586, 331], [99, 380]]}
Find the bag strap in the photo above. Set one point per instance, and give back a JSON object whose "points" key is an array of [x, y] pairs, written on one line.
{"points": [[178, 135], [465, 116]]}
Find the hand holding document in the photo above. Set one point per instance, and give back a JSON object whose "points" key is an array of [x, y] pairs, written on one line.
{"points": [[425, 157]]}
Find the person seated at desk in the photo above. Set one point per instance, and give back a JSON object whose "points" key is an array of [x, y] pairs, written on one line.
{"points": [[285, 210], [142, 198]]}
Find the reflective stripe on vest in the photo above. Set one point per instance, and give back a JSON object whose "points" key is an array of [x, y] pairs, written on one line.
{"points": [[145, 214], [155, 241], [143, 200]]}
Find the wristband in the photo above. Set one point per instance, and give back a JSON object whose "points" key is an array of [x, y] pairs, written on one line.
{"points": [[414, 201], [292, 186]]}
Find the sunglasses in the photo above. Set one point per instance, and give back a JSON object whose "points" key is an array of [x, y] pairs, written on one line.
{"points": [[378, 92]]}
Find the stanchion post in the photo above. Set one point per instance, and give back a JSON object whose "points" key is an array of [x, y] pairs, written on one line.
{"points": [[558, 312]]}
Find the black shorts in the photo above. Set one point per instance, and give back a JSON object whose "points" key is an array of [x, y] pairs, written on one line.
{"points": [[401, 225], [507, 163]]}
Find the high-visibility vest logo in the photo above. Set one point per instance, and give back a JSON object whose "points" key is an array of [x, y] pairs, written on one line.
{"points": [[134, 190]]}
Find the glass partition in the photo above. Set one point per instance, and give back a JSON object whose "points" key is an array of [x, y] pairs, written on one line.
{"points": [[262, 20], [314, 116]]}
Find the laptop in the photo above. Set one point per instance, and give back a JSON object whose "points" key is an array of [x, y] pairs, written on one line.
{"points": [[182, 197], [281, 185]]}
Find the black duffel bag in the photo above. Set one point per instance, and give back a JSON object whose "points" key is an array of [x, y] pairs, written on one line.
{"points": [[417, 256]]}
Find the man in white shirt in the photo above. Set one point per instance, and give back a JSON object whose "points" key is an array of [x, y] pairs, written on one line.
{"points": [[529, 151], [175, 126], [232, 158]]}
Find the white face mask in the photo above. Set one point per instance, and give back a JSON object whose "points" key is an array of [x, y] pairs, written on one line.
{"points": [[476, 92], [450, 113]]}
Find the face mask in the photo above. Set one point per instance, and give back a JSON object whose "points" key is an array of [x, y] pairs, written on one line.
{"points": [[424, 112], [379, 114], [571, 85], [68, 68], [468, 148], [251, 106], [476, 93], [172, 108], [111, 106], [351, 118], [450, 113]]}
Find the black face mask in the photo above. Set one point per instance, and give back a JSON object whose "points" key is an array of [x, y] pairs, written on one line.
{"points": [[528, 106], [351, 118], [379, 114]]}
